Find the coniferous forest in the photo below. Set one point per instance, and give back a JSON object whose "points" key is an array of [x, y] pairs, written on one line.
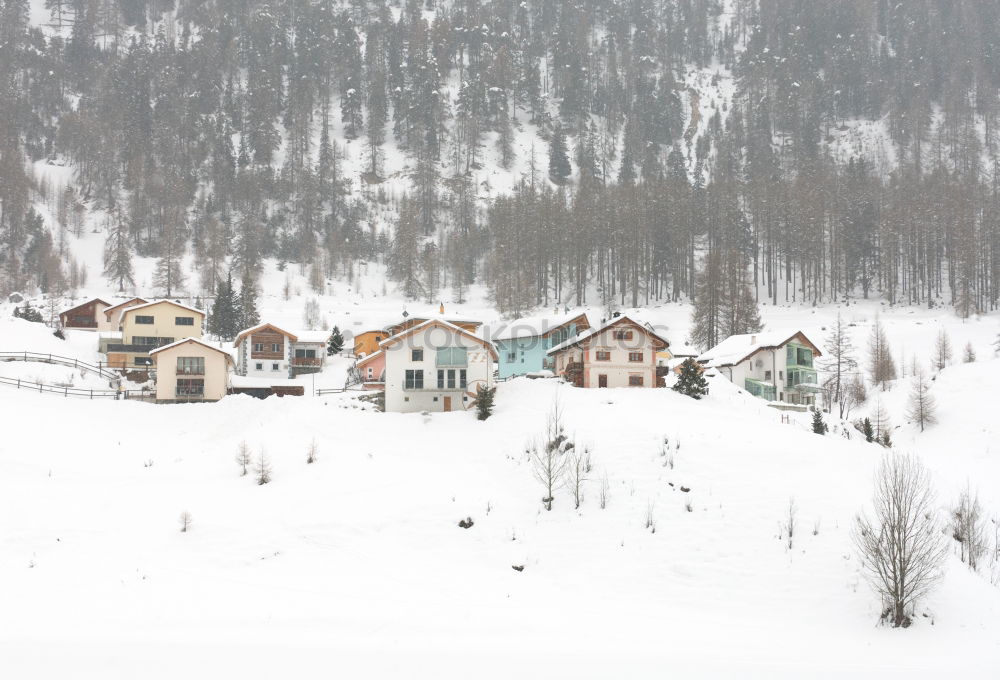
{"points": [[729, 151]]}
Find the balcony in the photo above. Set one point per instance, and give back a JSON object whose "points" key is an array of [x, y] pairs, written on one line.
{"points": [[307, 361], [191, 371], [761, 389], [802, 380], [188, 393]]}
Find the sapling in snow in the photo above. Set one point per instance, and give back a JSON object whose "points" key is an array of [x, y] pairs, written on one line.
{"points": [[312, 453], [262, 469], [185, 520], [243, 458]]}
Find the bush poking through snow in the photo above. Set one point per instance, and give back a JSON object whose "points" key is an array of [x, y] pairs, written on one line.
{"points": [[465, 523], [791, 521], [185, 520], [899, 544], [650, 518], [312, 454], [262, 469]]}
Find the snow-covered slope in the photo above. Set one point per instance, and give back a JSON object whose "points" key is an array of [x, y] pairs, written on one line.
{"points": [[357, 564]]}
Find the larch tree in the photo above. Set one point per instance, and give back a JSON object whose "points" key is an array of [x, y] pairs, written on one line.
{"points": [[839, 364], [921, 407]]}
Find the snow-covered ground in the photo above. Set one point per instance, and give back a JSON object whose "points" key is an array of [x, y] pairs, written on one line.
{"points": [[356, 563]]}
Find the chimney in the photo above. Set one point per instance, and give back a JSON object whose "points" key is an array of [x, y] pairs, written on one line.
{"points": [[753, 339], [441, 309]]}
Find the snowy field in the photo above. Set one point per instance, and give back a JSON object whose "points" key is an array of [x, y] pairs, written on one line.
{"points": [[357, 564]]}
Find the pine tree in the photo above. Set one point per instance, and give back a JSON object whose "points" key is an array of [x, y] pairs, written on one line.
{"points": [[28, 313], [868, 430], [335, 343], [484, 401], [942, 350], [247, 315], [818, 426], [223, 321], [559, 167], [691, 382], [969, 354]]}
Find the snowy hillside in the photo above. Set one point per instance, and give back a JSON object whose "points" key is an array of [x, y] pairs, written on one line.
{"points": [[357, 562]]}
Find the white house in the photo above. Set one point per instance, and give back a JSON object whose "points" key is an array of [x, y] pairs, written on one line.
{"points": [[776, 366], [435, 366], [266, 351]]}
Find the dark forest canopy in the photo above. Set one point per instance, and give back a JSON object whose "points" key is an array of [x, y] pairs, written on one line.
{"points": [[217, 128]]}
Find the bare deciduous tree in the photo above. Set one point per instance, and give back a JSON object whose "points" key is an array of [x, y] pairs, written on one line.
{"points": [[921, 406], [900, 545], [549, 461], [577, 468], [840, 365], [605, 489], [880, 363], [969, 529]]}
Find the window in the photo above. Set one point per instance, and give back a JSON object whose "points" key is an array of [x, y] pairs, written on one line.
{"points": [[258, 347], [623, 335], [260, 366], [305, 354], [461, 378], [190, 387], [453, 356], [147, 320], [635, 381], [767, 375], [275, 367], [416, 355], [275, 346], [511, 356], [414, 380], [371, 372], [450, 378], [635, 357], [142, 361], [603, 355], [190, 365], [184, 321]]}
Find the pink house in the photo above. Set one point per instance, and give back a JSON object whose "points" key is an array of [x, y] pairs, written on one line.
{"points": [[372, 370]]}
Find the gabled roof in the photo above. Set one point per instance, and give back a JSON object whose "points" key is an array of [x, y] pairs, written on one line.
{"points": [[157, 302], [195, 340], [738, 348], [594, 332], [398, 337], [84, 304], [414, 321], [365, 360], [260, 327], [128, 303], [538, 326]]}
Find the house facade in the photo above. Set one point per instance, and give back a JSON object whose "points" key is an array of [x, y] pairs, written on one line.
{"points": [[371, 370], [523, 344], [775, 366], [367, 342], [267, 351], [148, 326], [619, 353], [436, 366], [191, 370], [86, 317]]}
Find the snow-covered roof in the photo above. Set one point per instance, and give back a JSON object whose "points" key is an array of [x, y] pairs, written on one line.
{"points": [[319, 337], [737, 348], [172, 302], [604, 326], [533, 326], [365, 359], [163, 348], [444, 324], [67, 311]]}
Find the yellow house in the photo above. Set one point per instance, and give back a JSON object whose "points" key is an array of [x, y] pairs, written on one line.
{"points": [[191, 370], [151, 325], [366, 342]]}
